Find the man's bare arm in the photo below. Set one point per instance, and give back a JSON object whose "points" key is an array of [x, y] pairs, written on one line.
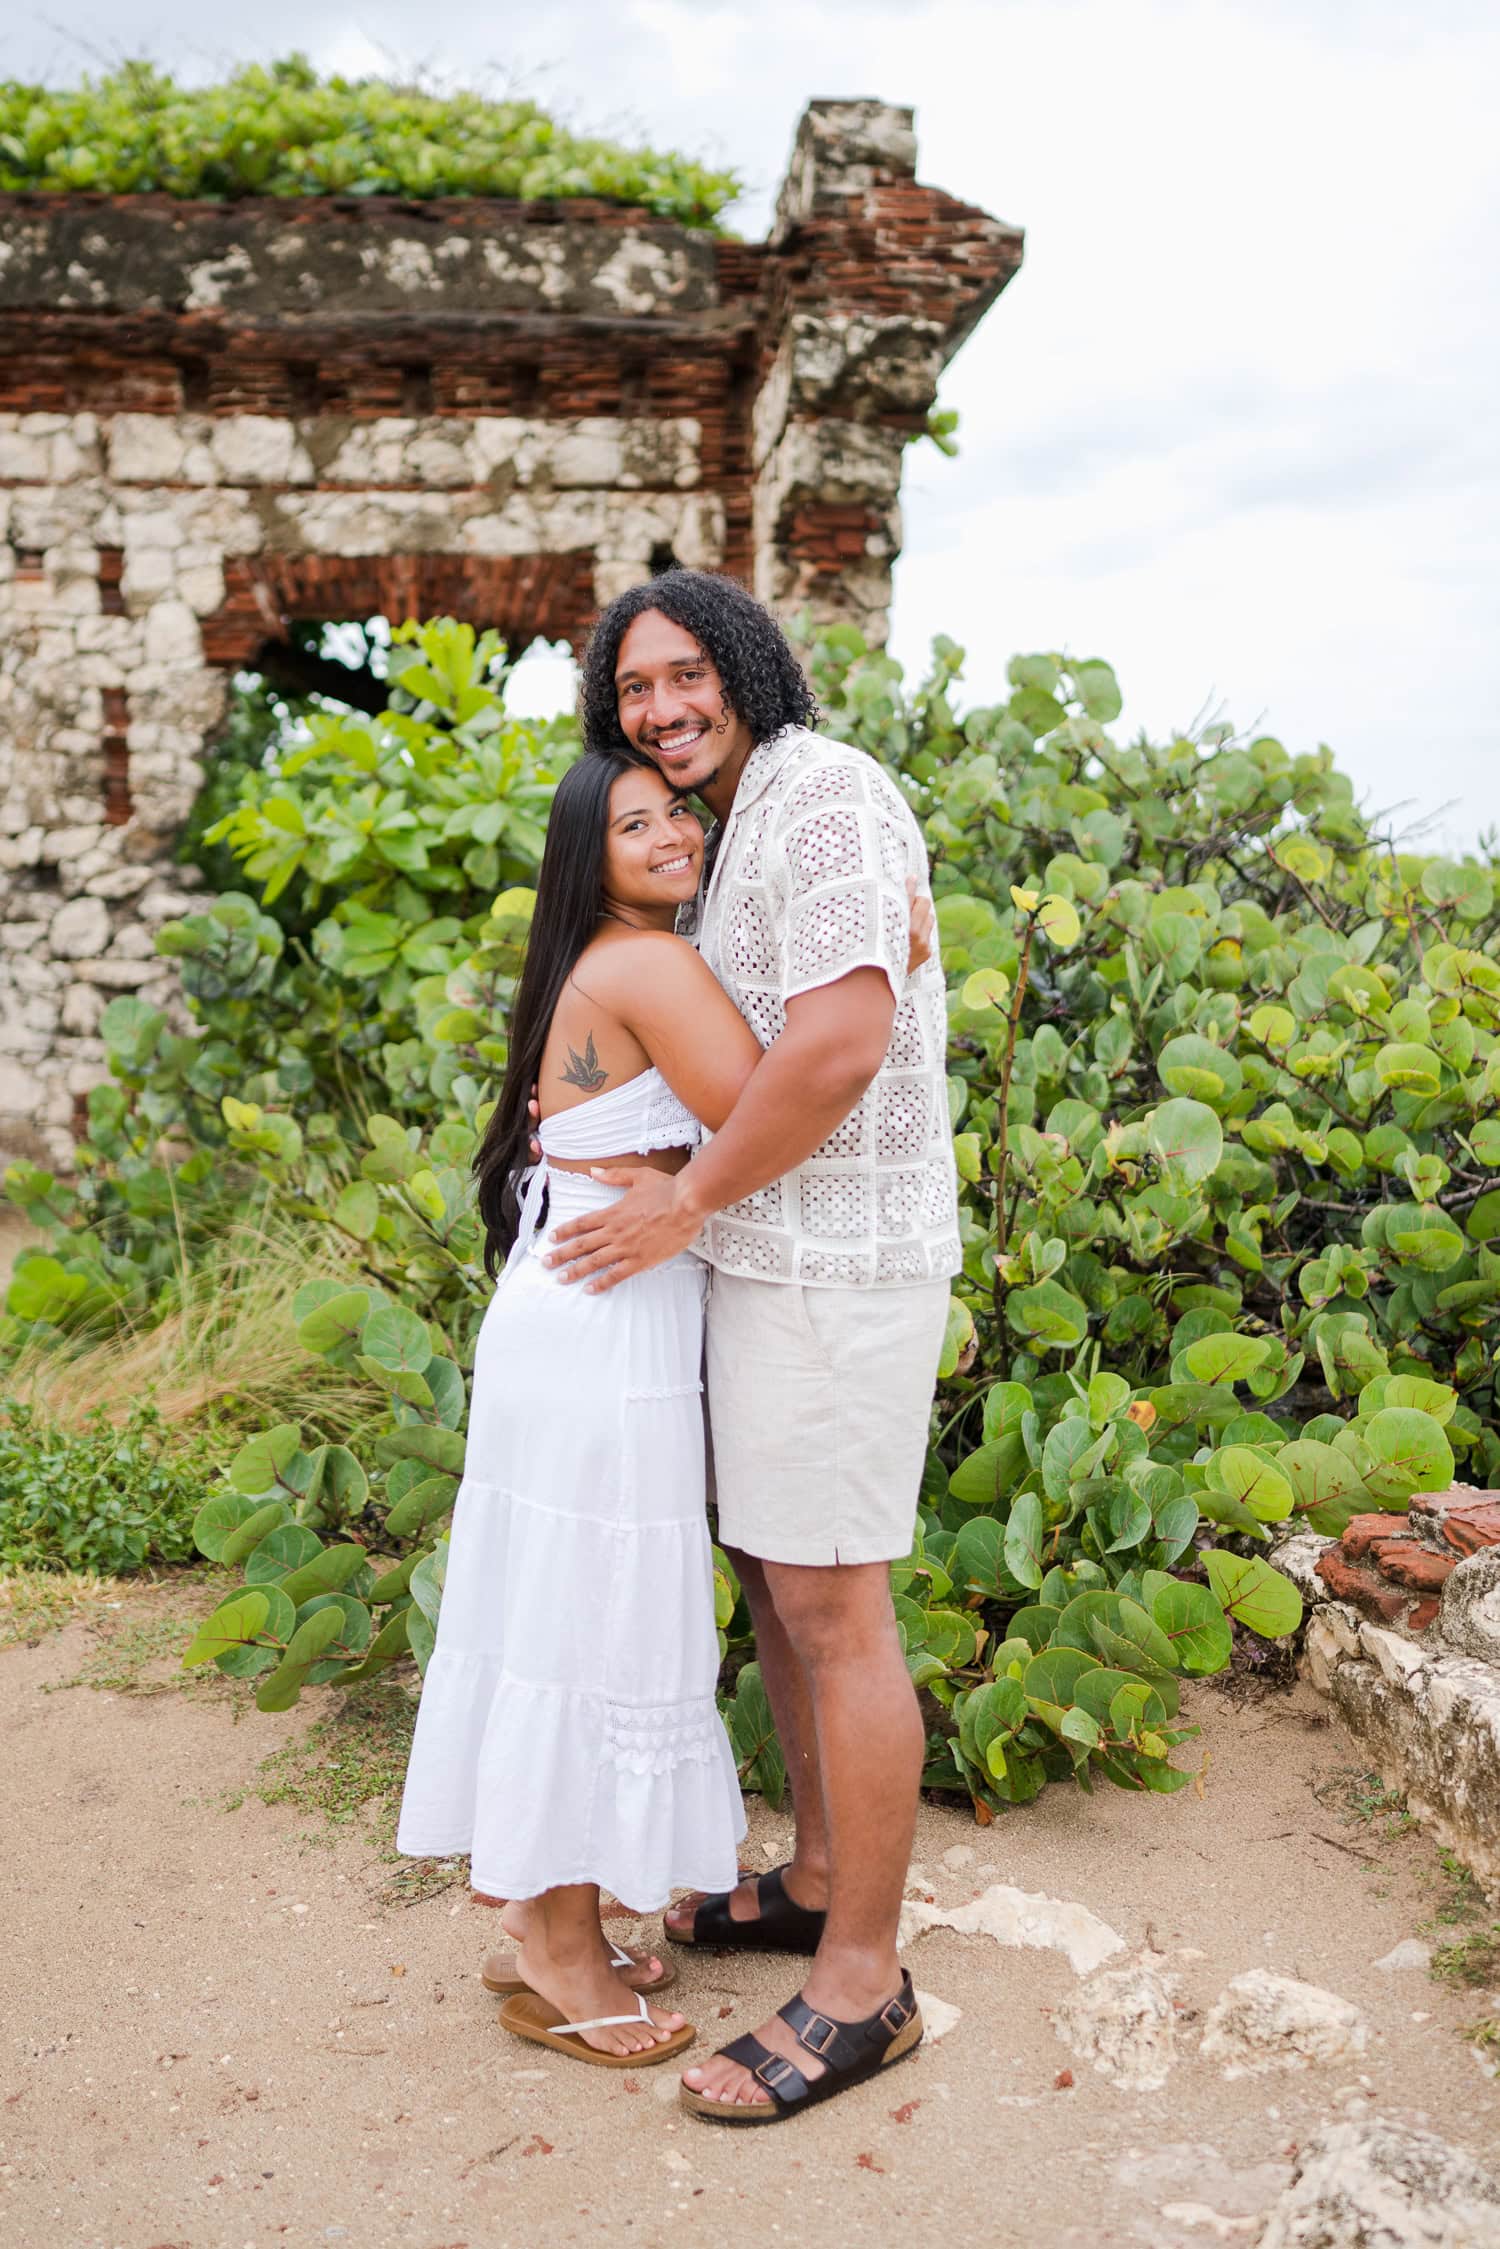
{"points": [[805, 1085]]}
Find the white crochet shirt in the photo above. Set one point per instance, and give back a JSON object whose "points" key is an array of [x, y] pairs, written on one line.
{"points": [[809, 884]]}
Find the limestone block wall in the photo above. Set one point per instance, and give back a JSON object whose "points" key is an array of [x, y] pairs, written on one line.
{"points": [[215, 420]]}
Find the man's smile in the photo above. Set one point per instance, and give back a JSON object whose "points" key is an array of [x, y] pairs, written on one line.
{"points": [[677, 742]]}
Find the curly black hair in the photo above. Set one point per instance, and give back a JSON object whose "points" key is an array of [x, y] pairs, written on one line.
{"points": [[764, 685]]}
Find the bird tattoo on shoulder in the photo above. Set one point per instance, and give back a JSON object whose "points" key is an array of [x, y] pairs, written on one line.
{"points": [[583, 1069]]}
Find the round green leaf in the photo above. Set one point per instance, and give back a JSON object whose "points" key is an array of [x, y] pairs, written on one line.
{"points": [[389, 1643], [1058, 921], [1254, 1594], [283, 1550], [425, 1503], [1410, 1451], [1325, 1483], [1196, 1067], [1408, 1069], [1224, 1359], [345, 1486], [357, 1210], [986, 987], [1098, 690], [1187, 1140], [257, 1466], [1024, 1531], [337, 1320], [350, 1641], [957, 1336], [438, 1448], [325, 1573], [988, 1477], [259, 1654], [427, 1581], [232, 1626], [397, 1339], [217, 1518], [1484, 1218], [1193, 1621], [1050, 1313], [246, 1536], [1053, 1675], [1260, 1487]]}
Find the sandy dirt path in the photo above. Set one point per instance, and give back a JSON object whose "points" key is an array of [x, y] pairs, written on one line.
{"points": [[220, 2036]]}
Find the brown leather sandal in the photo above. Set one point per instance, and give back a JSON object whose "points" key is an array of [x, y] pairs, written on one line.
{"points": [[849, 2052], [781, 1925]]}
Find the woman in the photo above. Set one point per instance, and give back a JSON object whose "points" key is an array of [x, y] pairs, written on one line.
{"points": [[568, 1736]]}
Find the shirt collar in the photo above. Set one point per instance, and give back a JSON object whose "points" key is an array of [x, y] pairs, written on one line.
{"points": [[764, 763]]}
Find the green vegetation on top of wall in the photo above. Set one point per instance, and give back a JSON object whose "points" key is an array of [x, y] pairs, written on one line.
{"points": [[282, 130]]}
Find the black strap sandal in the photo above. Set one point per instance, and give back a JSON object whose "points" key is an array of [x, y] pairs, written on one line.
{"points": [[849, 2052], [781, 1925]]}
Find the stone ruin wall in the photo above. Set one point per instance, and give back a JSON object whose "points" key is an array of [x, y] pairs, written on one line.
{"points": [[216, 420]]}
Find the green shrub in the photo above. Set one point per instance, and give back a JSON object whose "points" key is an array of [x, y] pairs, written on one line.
{"points": [[282, 130], [1225, 1087], [99, 1498]]}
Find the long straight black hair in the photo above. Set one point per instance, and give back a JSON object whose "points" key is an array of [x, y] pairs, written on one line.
{"points": [[569, 901]]}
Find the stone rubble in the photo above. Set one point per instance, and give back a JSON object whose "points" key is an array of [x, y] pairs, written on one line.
{"points": [[1262, 2022], [1122, 2021], [1374, 2184], [1413, 1675], [1019, 1917], [1469, 1619]]}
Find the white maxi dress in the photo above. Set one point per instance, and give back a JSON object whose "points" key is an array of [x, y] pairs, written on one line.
{"points": [[568, 1730]]}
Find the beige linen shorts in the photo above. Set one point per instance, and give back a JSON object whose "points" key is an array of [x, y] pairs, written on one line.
{"points": [[819, 1401]]}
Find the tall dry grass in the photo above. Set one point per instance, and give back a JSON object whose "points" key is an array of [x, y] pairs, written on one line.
{"points": [[228, 1352]]}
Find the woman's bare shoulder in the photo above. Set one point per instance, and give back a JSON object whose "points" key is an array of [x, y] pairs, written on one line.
{"points": [[617, 963]]}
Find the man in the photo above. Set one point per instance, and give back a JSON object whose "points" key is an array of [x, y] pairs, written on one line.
{"points": [[827, 1208]]}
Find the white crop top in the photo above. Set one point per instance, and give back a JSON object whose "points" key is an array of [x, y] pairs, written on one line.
{"points": [[640, 1116]]}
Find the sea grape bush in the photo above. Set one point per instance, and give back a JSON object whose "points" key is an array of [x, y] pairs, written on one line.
{"points": [[282, 130], [1225, 1089]]}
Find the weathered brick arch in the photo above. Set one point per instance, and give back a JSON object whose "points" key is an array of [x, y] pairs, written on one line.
{"points": [[215, 419], [523, 597]]}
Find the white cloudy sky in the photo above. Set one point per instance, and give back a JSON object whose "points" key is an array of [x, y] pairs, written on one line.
{"points": [[1234, 424]]}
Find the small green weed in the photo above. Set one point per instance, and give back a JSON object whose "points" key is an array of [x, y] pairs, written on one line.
{"points": [[1463, 1899], [1364, 1798], [138, 1651], [144, 1657], [1484, 2041], [1473, 1959], [349, 1765]]}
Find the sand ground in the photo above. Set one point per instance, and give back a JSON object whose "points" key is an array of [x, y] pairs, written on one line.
{"points": [[219, 2035]]}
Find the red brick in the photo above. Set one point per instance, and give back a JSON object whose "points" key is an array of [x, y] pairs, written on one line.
{"points": [[1358, 1583], [1472, 1527], [1404, 1562], [1362, 1531]]}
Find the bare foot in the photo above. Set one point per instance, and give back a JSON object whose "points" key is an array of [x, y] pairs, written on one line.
{"points": [[803, 1888], [503, 1967], [588, 1987], [719, 2079]]}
